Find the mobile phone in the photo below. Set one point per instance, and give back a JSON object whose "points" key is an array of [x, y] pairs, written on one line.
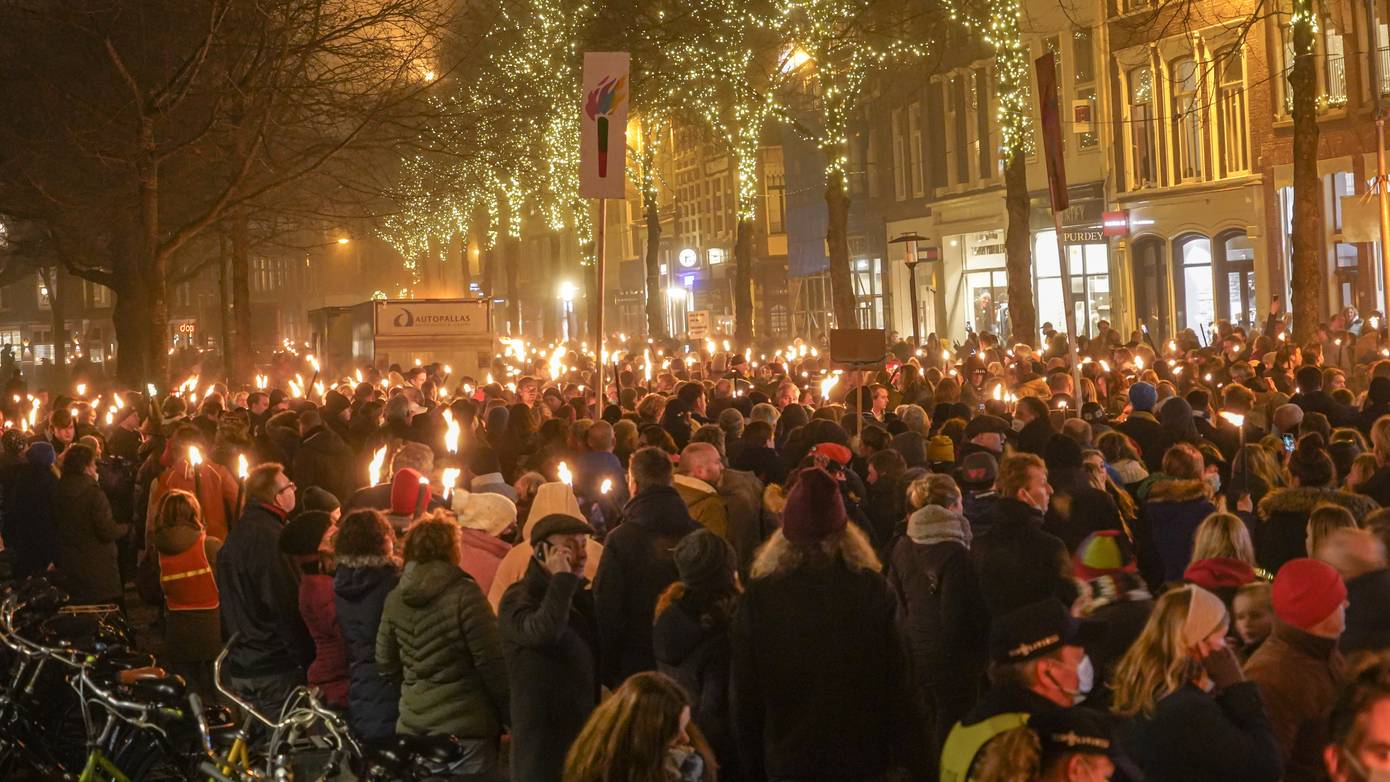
{"points": [[1288, 443], [151, 390]]}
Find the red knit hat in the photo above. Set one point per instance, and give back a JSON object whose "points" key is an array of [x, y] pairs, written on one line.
{"points": [[815, 509], [409, 494], [1307, 591]]}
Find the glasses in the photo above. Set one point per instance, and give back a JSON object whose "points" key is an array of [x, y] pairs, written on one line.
{"points": [[287, 487]]}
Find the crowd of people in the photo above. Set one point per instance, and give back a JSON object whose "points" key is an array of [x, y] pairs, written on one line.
{"points": [[960, 566]]}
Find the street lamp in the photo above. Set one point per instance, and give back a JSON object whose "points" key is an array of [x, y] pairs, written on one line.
{"points": [[911, 239], [568, 290]]}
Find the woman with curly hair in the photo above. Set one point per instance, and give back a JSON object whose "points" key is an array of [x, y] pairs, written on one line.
{"points": [[439, 638], [644, 733]]}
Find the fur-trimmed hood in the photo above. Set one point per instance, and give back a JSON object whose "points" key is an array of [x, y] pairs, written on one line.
{"points": [[1302, 500], [1177, 490]]}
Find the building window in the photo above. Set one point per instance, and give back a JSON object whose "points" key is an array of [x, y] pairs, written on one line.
{"points": [[1143, 131], [1230, 110], [1089, 268], [1084, 79], [775, 180], [1238, 267], [914, 148], [42, 288], [1336, 75], [1198, 309], [984, 122], [868, 291], [899, 157], [97, 295], [1187, 119], [960, 124]]}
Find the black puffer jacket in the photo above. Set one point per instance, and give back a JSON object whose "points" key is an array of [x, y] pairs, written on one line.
{"points": [[1017, 563], [636, 568], [359, 594], [692, 646], [1281, 532]]}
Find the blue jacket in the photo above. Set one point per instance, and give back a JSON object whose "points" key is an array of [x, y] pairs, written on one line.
{"points": [[359, 593], [1172, 511]]}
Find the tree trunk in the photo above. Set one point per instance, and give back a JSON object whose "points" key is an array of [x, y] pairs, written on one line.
{"points": [[155, 262], [512, 264], [837, 241], [58, 323], [1307, 282], [743, 283], [240, 350], [132, 340], [656, 297], [552, 307], [230, 367], [1023, 314]]}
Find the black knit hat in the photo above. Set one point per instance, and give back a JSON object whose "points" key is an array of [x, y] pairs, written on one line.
{"points": [[303, 534], [706, 562], [318, 498]]}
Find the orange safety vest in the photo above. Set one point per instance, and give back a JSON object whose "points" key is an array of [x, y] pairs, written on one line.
{"points": [[187, 579]]}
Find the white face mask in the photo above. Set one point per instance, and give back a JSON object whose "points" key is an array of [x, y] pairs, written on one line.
{"points": [[1213, 481], [1085, 679]]}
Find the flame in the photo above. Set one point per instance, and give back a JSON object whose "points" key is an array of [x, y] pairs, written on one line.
{"points": [[450, 478], [357, 373], [998, 393], [1236, 419], [120, 403], [314, 362], [243, 468], [417, 361], [195, 456], [606, 486], [296, 390], [452, 434], [110, 417], [318, 389], [81, 389], [448, 370], [827, 384], [605, 97], [1104, 365], [1139, 362], [378, 462], [563, 470]]}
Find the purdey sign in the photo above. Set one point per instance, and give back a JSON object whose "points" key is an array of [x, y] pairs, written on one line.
{"points": [[431, 318]]}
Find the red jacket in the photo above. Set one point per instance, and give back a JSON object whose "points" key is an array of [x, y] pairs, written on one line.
{"points": [[329, 670]]}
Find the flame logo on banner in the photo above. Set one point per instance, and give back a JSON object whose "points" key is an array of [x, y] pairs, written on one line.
{"points": [[602, 101]]}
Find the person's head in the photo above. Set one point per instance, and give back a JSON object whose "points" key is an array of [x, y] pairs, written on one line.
{"points": [[764, 412], [758, 434], [432, 538], [1030, 409], [267, 484], [1117, 447], [1074, 745], [364, 539], [706, 564], [987, 431], [1287, 418], [79, 459], [1309, 379], [258, 402], [1358, 748], [600, 437], [702, 461], [415, 456], [1310, 595], [731, 421], [321, 499], [178, 508], [1023, 477], [1142, 397], [1183, 461], [915, 418], [562, 531], [629, 735], [1223, 535], [815, 531], [1037, 647], [1254, 614], [61, 426], [1186, 625], [1325, 518], [1352, 552], [1078, 431], [878, 397], [787, 394], [648, 468], [692, 393], [934, 489], [885, 465]]}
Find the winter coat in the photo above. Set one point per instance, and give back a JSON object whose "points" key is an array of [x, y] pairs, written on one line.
{"points": [[749, 526], [329, 670], [1171, 514], [1368, 623], [1194, 736], [1017, 563], [438, 636], [1281, 533], [359, 595], [820, 684], [1033, 437], [514, 564], [978, 507], [259, 591], [1076, 510], [885, 507], [551, 642], [480, 554], [28, 519], [1222, 576], [85, 556], [693, 648], [190, 636], [704, 504], [1298, 674], [325, 461], [1143, 429], [212, 484], [1118, 606], [941, 610], [637, 567], [762, 461]]}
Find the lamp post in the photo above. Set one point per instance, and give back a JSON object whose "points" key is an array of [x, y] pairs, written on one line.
{"points": [[911, 239], [568, 290]]}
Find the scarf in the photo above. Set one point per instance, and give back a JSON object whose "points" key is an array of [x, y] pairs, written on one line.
{"points": [[1117, 587], [935, 524]]}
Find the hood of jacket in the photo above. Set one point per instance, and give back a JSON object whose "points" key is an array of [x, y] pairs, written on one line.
{"points": [[353, 584], [935, 524], [1177, 490], [659, 508], [425, 581], [175, 540], [1299, 499], [1218, 572], [692, 484], [553, 497]]}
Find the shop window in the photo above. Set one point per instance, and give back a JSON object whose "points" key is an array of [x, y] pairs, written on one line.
{"points": [[1238, 269], [899, 156], [775, 182], [1089, 269], [1231, 112], [1143, 129], [1151, 286], [868, 291], [1185, 81], [1198, 309]]}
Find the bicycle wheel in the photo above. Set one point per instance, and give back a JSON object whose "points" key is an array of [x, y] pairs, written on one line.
{"points": [[154, 765]]}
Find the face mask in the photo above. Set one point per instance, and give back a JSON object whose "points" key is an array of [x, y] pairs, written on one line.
{"points": [[1085, 680], [1367, 775], [1017, 424], [1213, 482]]}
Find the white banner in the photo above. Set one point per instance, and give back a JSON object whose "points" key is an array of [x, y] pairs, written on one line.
{"points": [[603, 126], [432, 318]]}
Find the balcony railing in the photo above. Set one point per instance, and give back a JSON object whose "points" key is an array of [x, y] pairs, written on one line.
{"points": [[1337, 80], [1383, 69]]}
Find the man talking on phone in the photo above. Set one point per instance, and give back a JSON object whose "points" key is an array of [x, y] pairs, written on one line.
{"points": [[550, 639]]}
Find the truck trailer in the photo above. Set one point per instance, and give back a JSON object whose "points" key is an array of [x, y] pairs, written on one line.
{"points": [[382, 332]]}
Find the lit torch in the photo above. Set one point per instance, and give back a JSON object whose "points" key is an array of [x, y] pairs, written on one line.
{"points": [[378, 463], [563, 470]]}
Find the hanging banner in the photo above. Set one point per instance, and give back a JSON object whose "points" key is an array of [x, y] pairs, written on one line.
{"points": [[603, 126], [1046, 68]]}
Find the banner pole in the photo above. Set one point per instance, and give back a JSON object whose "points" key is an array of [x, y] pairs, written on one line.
{"points": [[601, 391]]}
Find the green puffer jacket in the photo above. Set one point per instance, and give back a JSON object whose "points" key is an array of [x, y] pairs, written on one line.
{"points": [[439, 638]]}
